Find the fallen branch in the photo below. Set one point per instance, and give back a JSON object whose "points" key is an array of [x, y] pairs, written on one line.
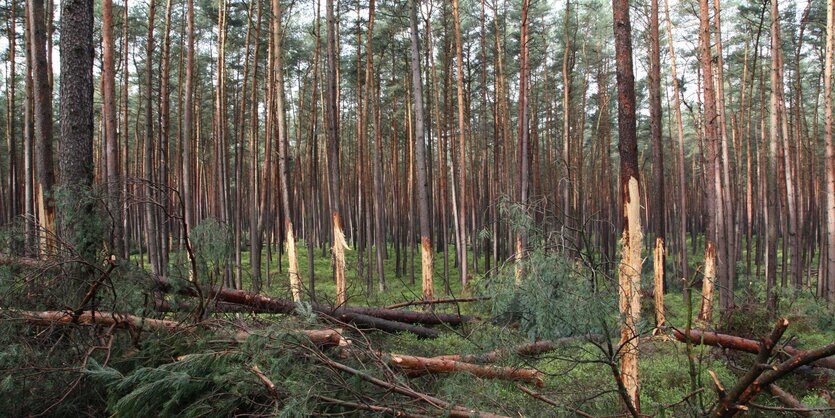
{"points": [[790, 401], [434, 365], [436, 302], [367, 407], [736, 398], [740, 344]]}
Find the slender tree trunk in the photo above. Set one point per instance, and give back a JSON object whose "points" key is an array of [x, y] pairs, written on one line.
{"points": [[829, 161], [524, 137], [339, 244], [630, 268], [150, 209], [706, 311], [771, 251], [255, 243], [28, 139], [11, 139], [427, 269], [655, 127], [188, 121], [114, 187], [462, 177], [42, 93], [289, 237], [681, 171], [76, 156]]}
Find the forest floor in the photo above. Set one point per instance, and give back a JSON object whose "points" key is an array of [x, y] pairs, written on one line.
{"points": [[576, 376]]}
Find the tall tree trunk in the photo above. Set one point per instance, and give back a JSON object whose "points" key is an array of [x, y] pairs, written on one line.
{"points": [[76, 154], [523, 160], [629, 279], [706, 311], [681, 171], [462, 178], [11, 139], [655, 122], [28, 138], [829, 289], [45, 178], [164, 142], [151, 232], [114, 185], [427, 269], [188, 121], [727, 245], [255, 243], [771, 251], [339, 244], [289, 238]]}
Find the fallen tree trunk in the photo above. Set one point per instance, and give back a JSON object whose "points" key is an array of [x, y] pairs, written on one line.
{"points": [[530, 349], [320, 337], [115, 319], [435, 302], [281, 306], [383, 319], [741, 344], [435, 365]]}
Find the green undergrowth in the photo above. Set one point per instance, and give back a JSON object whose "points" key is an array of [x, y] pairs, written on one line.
{"points": [[204, 372]]}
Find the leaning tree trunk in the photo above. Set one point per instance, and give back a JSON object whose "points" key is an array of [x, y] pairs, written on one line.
{"points": [[630, 268]]}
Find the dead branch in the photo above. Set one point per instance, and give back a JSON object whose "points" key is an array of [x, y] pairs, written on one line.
{"points": [[790, 401], [803, 358], [733, 398]]}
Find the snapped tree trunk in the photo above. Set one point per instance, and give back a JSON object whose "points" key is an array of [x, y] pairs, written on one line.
{"points": [[629, 277]]}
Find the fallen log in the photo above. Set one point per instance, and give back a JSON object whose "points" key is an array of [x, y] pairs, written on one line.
{"points": [[529, 349], [281, 306], [320, 337], [115, 319], [383, 319], [741, 344], [435, 302], [434, 365]]}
